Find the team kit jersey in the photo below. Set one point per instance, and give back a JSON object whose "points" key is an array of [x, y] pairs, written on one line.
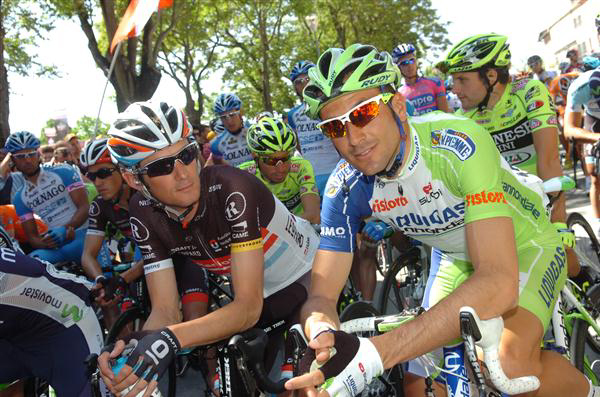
{"points": [[423, 94], [580, 96], [453, 175], [47, 324], [299, 181], [50, 198], [236, 213], [560, 98], [233, 148], [103, 212], [314, 146], [524, 108]]}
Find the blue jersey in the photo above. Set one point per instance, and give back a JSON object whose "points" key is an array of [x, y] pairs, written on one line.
{"points": [[49, 198], [9, 187], [580, 96], [233, 148]]}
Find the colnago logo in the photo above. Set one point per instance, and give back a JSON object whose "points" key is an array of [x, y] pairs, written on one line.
{"points": [[332, 231], [384, 205], [237, 154], [45, 196], [309, 126], [485, 198]]}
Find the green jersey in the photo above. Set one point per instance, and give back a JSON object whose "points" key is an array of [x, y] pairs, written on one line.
{"points": [[298, 182]]}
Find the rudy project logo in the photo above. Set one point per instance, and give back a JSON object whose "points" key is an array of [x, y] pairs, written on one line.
{"points": [[454, 141], [484, 198], [388, 205]]}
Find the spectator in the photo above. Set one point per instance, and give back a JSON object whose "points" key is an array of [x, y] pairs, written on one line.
{"points": [[574, 64], [72, 140], [47, 152], [536, 65], [63, 153]]}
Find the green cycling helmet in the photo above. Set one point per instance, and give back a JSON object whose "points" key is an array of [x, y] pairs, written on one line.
{"points": [[340, 71], [270, 135], [476, 52]]}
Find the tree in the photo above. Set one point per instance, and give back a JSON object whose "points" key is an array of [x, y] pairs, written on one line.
{"points": [[22, 24], [135, 76], [85, 126]]}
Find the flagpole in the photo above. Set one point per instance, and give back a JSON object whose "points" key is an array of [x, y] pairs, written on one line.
{"points": [[110, 70]]}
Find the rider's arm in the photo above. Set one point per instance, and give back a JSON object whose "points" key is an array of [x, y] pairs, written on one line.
{"points": [[5, 166], [91, 248], [548, 166], [80, 199], [309, 193], [32, 235], [572, 122], [492, 290], [162, 288], [136, 271], [311, 204], [329, 274], [442, 103], [247, 272]]}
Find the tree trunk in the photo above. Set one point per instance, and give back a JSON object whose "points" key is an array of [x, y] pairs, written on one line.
{"points": [[4, 93], [264, 43]]}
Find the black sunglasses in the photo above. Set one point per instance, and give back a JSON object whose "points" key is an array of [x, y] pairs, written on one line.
{"points": [[166, 165], [102, 173]]}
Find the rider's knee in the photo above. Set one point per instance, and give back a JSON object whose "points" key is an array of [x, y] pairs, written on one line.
{"points": [[518, 361]]}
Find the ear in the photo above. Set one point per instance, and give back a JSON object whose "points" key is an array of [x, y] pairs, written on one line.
{"points": [[492, 75], [131, 179], [399, 105]]}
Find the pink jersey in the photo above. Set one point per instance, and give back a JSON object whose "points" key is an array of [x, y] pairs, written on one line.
{"points": [[424, 93]]}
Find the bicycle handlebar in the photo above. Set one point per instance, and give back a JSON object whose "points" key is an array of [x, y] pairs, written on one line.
{"points": [[487, 335], [251, 344]]}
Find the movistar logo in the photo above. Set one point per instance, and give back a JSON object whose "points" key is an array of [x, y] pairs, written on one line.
{"points": [[75, 312]]}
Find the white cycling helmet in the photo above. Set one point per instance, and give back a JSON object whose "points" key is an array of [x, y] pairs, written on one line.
{"points": [[144, 128], [95, 152]]}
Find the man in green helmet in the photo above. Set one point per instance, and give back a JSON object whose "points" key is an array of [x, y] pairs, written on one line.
{"points": [[520, 116], [439, 179]]}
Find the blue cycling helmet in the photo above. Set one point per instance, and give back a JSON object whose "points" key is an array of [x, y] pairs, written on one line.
{"points": [[300, 68], [594, 84], [21, 140], [226, 102], [590, 63], [401, 50]]}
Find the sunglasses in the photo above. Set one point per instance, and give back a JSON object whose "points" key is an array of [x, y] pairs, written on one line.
{"points": [[230, 115], [275, 161], [102, 173], [29, 155], [360, 115], [407, 62], [301, 80], [166, 165]]}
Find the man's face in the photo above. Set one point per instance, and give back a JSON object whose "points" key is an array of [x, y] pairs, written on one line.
{"points": [[75, 146], [109, 186], [275, 167], [47, 156], [27, 161], [232, 120], [469, 88], [408, 65], [180, 188], [63, 154], [367, 148], [299, 83], [573, 57], [536, 67]]}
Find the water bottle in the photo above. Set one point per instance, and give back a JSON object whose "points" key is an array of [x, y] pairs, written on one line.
{"points": [[117, 368]]}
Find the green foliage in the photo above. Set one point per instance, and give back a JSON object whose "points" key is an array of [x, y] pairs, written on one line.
{"points": [[84, 128]]}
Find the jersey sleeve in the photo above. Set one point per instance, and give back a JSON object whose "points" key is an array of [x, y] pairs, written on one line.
{"points": [[24, 212], [69, 176], [578, 94], [215, 146], [291, 117], [306, 177], [539, 106], [97, 220], [345, 204], [439, 89], [146, 226]]}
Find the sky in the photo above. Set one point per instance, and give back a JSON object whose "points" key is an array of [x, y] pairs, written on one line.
{"points": [[78, 92]]}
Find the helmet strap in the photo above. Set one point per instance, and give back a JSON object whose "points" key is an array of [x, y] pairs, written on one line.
{"points": [[489, 88], [396, 162]]}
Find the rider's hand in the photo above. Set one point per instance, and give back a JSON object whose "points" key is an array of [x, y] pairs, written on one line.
{"points": [[377, 230], [353, 365], [58, 236], [566, 234], [115, 288]]}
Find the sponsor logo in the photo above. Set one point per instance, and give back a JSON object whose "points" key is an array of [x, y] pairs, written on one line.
{"points": [[415, 160], [483, 121], [547, 288], [314, 189], [303, 189], [42, 296], [295, 167], [534, 123], [307, 177], [438, 221], [331, 231], [427, 188], [519, 85], [290, 227], [237, 154], [484, 198], [516, 157], [214, 245], [422, 100], [7, 255], [430, 194], [552, 120], [454, 141], [238, 228], [139, 230], [524, 201], [214, 188], [534, 105], [533, 91], [373, 81], [94, 209], [388, 205], [235, 205], [508, 113], [42, 197]]}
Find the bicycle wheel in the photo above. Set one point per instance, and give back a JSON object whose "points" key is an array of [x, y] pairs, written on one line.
{"points": [[401, 284], [584, 345], [135, 318], [390, 383], [587, 246]]}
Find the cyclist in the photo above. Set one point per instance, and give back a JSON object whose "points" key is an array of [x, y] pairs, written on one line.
{"points": [[574, 64], [56, 194], [520, 116], [536, 65], [583, 108], [220, 217], [558, 91], [12, 225], [290, 178], [313, 146], [230, 147], [425, 93], [47, 324], [440, 179]]}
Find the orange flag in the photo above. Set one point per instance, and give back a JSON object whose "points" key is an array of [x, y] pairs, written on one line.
{"points": [[135, 18]]}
